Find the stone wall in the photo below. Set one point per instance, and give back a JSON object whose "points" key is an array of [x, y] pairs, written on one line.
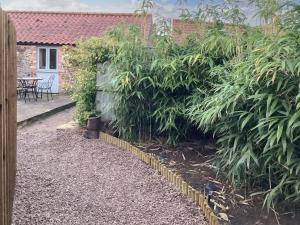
{"points": [[26, 60], [65, 72], [27, 64]]}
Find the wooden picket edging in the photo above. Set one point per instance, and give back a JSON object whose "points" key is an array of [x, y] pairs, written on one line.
{"points": [[8, 116], [173, 177]]}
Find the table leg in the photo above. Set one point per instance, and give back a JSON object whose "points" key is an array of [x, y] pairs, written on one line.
{"points": [[36, 93]]}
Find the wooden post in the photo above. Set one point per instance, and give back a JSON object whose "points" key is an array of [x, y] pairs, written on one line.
{"points": [[8, 116]]}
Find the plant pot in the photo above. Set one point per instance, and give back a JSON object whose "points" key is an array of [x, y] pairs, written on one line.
{"points": [[94, 123], [91, 134], [102, 126]]}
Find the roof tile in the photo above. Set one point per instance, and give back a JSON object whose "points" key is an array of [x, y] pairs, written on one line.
{"points": [[65, 28]]}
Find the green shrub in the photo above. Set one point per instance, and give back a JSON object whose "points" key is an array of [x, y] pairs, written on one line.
{"points": [[130, 66], [238, 83], [82, 60], [153, 85], [254, 113]]}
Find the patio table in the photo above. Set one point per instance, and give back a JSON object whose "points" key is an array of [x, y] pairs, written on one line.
{"points": [[28, 83]]}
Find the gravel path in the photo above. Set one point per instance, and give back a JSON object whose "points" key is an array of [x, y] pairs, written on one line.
{"points": [[65, 179]]}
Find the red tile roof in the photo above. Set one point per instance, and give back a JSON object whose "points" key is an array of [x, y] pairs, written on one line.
{"points": [[181, 29], [65, 28]]}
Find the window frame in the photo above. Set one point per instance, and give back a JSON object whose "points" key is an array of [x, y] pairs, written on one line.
{"points": [[47, 69]]}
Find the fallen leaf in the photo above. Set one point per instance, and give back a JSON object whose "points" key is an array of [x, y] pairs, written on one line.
{"points": [[245, 202], [154, 149], [192, 172], [214, 181], [220, 195], [172, 163], [240, 196], [224, 216], [194, 165], [222, 207]]}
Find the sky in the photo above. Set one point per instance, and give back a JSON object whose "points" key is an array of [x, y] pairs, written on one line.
{"points": [[165, 8], [77, 5]]}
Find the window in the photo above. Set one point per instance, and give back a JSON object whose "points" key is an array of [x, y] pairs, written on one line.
{"points": [[47, 58], [42, 58], [53, 59]]}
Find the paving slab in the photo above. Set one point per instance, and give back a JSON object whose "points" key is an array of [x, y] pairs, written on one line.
{"points": [[33, 110]]}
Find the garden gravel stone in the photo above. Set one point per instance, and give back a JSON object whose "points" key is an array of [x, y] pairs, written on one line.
{"points": [[63, 178]]}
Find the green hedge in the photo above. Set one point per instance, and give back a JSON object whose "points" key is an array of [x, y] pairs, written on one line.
{"points": [[240, 84]]}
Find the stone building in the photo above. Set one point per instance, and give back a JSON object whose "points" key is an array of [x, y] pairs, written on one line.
{"points": [[41, 35]]}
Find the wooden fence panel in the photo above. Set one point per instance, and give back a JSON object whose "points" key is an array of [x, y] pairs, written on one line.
{"points": [[8, 118]]}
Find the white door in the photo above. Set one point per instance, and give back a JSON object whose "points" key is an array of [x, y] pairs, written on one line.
{"points": [[47, 65]]}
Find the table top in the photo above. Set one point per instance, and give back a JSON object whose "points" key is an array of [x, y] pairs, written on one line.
{"points": [[30, 78]]}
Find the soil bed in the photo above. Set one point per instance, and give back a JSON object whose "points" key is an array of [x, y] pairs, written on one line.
{"points": [[190, 159]]}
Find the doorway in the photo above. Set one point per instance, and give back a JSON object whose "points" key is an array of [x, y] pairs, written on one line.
{"points": [[47, 65]]}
